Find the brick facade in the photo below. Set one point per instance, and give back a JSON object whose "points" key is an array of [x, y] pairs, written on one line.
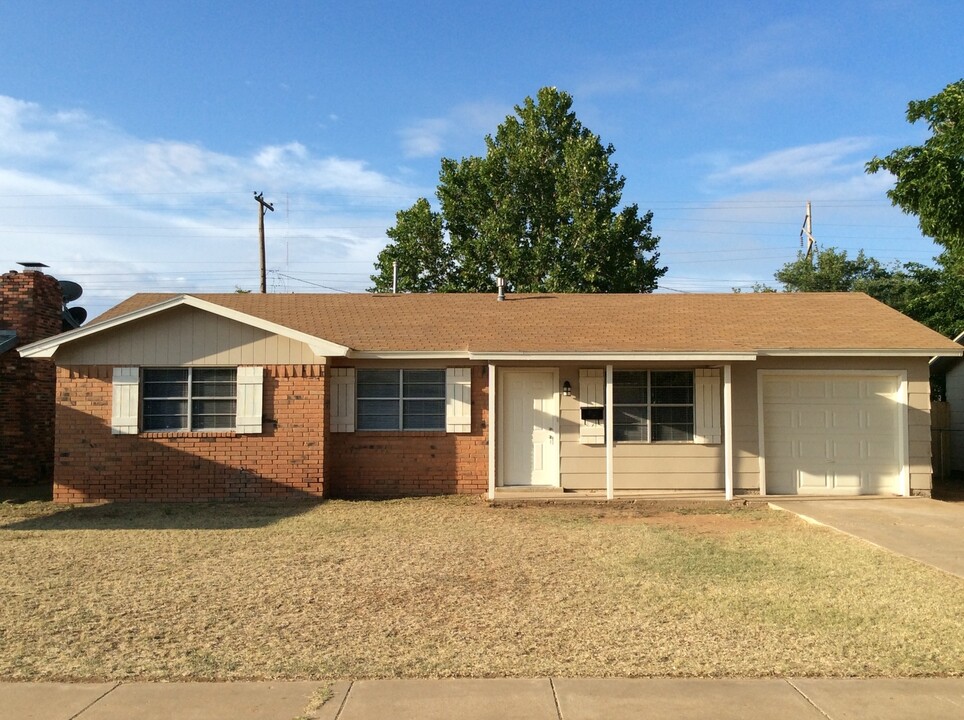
{"points": [[392, 464], [32, 305], [286, 460]]}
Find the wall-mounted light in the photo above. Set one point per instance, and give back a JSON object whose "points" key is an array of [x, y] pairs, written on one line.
{"points": [[567, 389]]}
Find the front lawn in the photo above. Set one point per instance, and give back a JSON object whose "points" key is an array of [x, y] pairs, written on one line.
{"points": [[452, 587]]}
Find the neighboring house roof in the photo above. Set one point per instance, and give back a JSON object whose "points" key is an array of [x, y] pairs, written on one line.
{"points": [[738, 324], [8, 340]]}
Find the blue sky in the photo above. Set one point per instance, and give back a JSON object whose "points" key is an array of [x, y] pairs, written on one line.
{"points": [[133, 134]]}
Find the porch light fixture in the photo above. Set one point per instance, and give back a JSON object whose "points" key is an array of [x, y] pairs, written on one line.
{"points": [[567, 389]]}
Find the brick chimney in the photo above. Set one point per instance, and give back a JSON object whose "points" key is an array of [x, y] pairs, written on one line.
{"points": [[31, 304]]}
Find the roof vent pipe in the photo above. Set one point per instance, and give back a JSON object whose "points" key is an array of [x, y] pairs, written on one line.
{"points": [[394, 276], [500, 281]]}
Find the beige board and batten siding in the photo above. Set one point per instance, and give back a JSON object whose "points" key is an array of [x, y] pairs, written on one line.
{"points": [[636, 466], [746, 445], [187, 336]]}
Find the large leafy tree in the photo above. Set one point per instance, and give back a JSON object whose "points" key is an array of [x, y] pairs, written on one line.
{"points": [[930, 177], [541, 210]]}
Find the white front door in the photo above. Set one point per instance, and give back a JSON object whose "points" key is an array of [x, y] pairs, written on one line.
{"points": [[528, 427], [832, 434]]}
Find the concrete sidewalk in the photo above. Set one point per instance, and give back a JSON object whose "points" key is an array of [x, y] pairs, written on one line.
{"points": [[928, 531], [496, 699]]}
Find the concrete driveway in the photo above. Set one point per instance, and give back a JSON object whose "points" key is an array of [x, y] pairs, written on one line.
{"points": [[926, 530]]}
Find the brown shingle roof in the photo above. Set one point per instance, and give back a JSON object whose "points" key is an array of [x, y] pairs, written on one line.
{"points": [[584, 323]]}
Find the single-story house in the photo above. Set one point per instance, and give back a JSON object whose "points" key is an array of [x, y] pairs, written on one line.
{"points": [[187, 397]]}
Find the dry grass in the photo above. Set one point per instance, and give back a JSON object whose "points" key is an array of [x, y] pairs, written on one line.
{"points": [[452, 587]]}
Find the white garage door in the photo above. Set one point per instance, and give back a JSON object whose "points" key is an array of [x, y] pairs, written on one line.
{"points": [[832, 434]]}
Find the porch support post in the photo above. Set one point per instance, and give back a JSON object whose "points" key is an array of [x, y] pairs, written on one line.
{"points": [[728, 430], [609, 433], [491, 431]]}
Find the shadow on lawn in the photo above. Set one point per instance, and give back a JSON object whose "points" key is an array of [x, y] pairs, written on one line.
{"points": [[160, 516]]}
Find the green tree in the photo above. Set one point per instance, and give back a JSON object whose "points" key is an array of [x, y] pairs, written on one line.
{"points": [[937, 295], [930, 177], [831, 271], [418, 246], [541, 209]]}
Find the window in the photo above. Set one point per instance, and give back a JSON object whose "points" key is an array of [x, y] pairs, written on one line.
{"points": [[653, 406], [189, 399], [401, 399]]}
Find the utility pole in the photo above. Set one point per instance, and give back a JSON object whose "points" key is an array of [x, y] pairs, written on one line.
{"points": [[264, 207], [807, 231]]}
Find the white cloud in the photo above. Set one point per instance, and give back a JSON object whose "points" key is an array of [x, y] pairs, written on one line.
{"points": [[432, 137], [122, 214], [835, 158]]}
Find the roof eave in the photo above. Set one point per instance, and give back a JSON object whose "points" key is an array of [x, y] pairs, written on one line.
{"points": [[604, 356], [861, 352]]}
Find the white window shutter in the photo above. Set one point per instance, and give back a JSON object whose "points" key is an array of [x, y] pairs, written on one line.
{"points": [[341, 398], [592, 393], [458, 400], [250, 397], [706, 428], [124, 401]]}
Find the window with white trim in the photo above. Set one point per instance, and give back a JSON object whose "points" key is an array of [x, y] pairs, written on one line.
{"points": [[174, 399], [653, 406], [400, 399]]}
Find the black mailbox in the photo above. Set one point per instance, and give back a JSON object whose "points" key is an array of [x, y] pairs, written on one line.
{"points": [[597, 414]]}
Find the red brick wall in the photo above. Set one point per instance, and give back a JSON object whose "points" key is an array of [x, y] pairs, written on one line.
{"points": [[31, 304], [386, 464], [285, 461]]}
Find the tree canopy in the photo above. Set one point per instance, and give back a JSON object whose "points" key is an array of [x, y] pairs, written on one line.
{"points": [[540, 209], [930, 177]]}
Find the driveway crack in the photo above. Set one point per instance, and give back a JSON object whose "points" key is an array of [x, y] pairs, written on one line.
{"points": [[95, 701], [344, 700], [555, 699], [805, 697]]}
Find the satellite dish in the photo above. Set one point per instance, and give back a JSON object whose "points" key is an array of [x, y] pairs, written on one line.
{"points": [[70, 290], [74, 317]]}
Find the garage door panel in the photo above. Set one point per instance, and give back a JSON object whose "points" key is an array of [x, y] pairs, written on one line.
{"points": [[813, 419], [781, 448], [831, 434], [844, 449], [882, 388], [811, 390], [812, 450], [845, 389], [778, 418], [845, 418], [777, 390], [812, 479], [882, 452], [881, 418], [853, 480]]}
